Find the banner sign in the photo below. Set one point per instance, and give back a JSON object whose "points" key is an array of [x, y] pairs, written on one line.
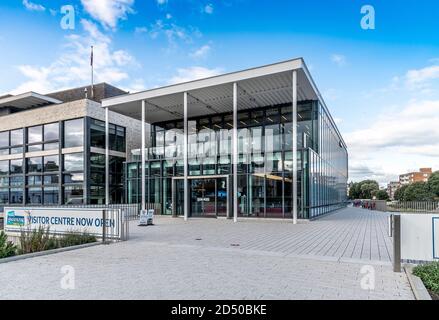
{"points": [[60, 220]]}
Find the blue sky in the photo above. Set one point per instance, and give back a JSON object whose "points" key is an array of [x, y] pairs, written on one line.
{"points": [[380, 85]]}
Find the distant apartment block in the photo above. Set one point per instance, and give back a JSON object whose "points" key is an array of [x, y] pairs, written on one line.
{"points": [[411, 177], [391, 189]]}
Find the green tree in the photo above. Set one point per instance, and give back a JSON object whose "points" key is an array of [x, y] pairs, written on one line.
{"points": [[433, 183], [363, 190], [7, 248], [418, 191], [399, 193], [382, 195]]}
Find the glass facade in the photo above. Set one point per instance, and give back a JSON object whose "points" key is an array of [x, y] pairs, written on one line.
{"points": [[265, 164], [41, 170]]}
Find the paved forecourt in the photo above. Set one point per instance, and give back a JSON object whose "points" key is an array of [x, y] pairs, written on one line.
{"points": [[217, 259]]}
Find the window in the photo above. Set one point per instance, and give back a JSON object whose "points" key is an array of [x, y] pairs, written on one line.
{"points": [[97, 133], [35, 164], [34, 180], [16, 196], [73, 195], [51, 163], [74, 133], [4, 168], [51, 132], [52, 179], [51, 146], [51, 195], [35, 196], [17, 137], [16, 166], [4, 196], [16, 181], [74, 162], [4, 139], [35, 134], [74, 178]]}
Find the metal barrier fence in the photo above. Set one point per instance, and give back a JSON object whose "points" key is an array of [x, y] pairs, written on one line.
{"points": [[413, 206], [399, 206]]}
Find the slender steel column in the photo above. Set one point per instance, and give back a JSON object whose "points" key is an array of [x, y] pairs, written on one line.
{"points": [[185, 156], [107, 158], [143, 156], [235, 152], [294, 107]]}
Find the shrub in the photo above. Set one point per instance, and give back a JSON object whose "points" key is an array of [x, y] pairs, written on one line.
{"points": [[429, 274], [75, 239], [7, 248], [36, 240]]}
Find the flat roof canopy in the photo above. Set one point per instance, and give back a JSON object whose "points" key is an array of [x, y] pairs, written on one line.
{"points": [[27, 100], [258, 87]]}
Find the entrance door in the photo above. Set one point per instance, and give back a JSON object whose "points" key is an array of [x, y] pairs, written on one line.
{"points": [[203, 197]]}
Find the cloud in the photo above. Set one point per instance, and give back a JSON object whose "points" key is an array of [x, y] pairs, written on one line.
{"points": [[162, 2], [72, 68], [420, 78], [193, 73], [338, 59], [208, 8], [33, 6], [395, 141], [201, 52], [140, 30], [108, 12], [172, 32]]}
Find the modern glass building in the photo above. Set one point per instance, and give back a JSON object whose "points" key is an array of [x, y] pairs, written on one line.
{"points": [[52, 151], [255, 143]]}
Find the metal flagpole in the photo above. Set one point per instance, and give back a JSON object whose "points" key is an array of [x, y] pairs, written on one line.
{"points": [[91, 64]]}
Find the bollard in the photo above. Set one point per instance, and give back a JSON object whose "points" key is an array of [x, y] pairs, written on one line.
{"points": [[397, 243]]}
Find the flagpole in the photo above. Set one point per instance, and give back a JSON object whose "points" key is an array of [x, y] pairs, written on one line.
{"points": [[91, 64]]}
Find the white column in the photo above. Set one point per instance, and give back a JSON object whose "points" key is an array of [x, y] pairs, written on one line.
{"points": [[107, 158], [185, 158], [294, 146], [235, 152], [143, 157]]}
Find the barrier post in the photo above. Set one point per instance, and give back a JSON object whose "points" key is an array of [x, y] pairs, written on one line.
{"points": [[397, 243]]}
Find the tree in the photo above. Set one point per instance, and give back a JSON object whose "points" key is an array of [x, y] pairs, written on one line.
{"points": [[382, 195], [363, 190], [433, 183], [399, 193], [418, 191]]}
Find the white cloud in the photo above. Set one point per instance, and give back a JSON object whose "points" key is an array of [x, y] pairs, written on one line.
{"points": [[338, 59], [396, 141], [201, 52], [172, 32], [141, 30], [108, 12], [72, 68], [168, 16], [193, 73], [208, 8], [162, 2], [33, 6], [420, 78]]}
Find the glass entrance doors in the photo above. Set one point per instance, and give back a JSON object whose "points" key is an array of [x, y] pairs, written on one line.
{"points": [[203, 197], [208, 196]]}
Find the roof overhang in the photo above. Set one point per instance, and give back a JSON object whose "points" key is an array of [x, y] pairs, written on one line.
{"points": [[27, 100], [262, 86]]}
